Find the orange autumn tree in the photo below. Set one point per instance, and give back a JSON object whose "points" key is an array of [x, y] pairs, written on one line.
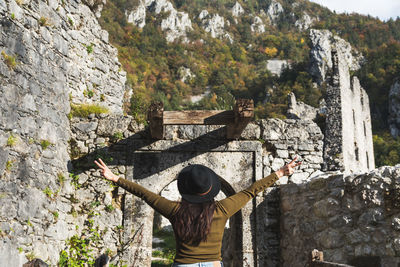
{"points": [[271, 51]]}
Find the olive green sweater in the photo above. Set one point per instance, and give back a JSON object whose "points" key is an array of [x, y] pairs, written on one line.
{"points": [[211, 249]]}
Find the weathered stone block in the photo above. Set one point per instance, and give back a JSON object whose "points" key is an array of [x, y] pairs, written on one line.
{"points": [[3, 159], [299, 177], [357, 236], [251, 132], [330, 239], [114, 124], [372, 217], [326, 207], [277, 163], [282, 154]]}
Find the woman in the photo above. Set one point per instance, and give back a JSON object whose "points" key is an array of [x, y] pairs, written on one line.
{"points": [[198, 221]]}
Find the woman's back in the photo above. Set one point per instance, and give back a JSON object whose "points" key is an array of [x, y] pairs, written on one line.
{"points": [[198, 184]]}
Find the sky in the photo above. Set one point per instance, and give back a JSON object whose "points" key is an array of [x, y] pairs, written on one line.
{"points": [[384, 9]]}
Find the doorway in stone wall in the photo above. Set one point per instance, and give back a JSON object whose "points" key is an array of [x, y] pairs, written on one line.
{"points": [[163, 250], [156, 168]]}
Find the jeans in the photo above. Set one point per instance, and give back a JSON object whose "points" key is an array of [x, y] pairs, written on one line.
{"points": [[200, 264]]}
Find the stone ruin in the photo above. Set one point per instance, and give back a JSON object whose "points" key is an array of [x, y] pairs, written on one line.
{"points": [[348, 133], [50, 191], [264, 147]]}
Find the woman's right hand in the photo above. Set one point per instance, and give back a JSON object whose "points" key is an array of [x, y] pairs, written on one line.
{"points": [[105, 171], [288, 169]]}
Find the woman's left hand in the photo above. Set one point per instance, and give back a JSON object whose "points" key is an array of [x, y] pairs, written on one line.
{"points": [[288, 169]]}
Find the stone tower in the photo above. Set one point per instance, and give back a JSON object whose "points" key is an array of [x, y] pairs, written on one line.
{"points": [[348, 135]]}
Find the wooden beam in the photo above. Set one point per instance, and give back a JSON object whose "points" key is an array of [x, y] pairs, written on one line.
{"points": [[244, 113], [199, 117], [155, 116], [236, 119]]}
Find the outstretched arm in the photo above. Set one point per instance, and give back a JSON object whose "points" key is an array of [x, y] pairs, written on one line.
{"points": [[164, 206], [234, 203]]}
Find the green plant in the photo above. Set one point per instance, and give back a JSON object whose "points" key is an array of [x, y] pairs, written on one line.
{"points": [[79, 251], [70, 21], [61, 178], [386, 149], [43, 21], [118, 136], [30, 256], [109, 208], [95, 204], [11, 61], [167, 246], [102, 97], [75, 180], [20, 250], [28, 222], [88, 93], [31, 140], [12, 16], [48, 192], [84, 110], [55, 215], [74, 214], [89, 48], [45, 144], [12, 140], [109, 252], [9, 165]]}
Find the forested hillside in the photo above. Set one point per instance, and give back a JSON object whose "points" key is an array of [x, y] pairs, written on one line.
{"points": [[233, 64]]}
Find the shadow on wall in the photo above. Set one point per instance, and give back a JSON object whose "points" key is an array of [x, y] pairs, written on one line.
{"points": [[120, 153]]}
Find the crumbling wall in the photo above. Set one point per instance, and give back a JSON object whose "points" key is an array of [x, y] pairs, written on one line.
{"points": [[348, 131], [353, 219], [127, 147], [51, 52]]}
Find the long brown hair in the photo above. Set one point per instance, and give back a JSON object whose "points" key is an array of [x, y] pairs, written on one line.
{"points": [[192, 222]]}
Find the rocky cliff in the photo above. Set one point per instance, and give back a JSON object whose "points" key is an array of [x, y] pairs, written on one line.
{"points": [[177, 24], [323, 43]]}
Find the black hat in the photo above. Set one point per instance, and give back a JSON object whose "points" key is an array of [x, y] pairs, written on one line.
{"points": [[198, 183]]}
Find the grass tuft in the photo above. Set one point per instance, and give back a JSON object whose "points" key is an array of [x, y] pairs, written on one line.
{"points": [[10, 61], [84, 110], [44, 21], [45, 144], [12, 140]]}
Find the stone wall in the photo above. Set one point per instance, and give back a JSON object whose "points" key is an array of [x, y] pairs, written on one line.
{"points": [[51, 52], [149, 162], [353, 219], [348, 132]]}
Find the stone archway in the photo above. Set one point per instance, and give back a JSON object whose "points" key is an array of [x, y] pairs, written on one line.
{"points": [[239, 163]]}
